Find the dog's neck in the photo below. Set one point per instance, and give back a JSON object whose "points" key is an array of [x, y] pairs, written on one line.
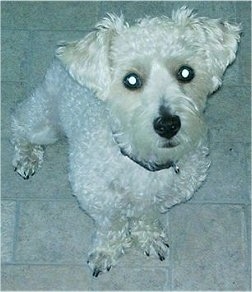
{"points": [[152, 166], [148, 165]]}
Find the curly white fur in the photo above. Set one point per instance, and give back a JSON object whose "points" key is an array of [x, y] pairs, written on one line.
{"points": [[122, 171]]}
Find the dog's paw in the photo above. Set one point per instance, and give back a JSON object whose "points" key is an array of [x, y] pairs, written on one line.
{"points": [[101, 261], [156, 245], [26, 163], [25, 167], [150, 237]]}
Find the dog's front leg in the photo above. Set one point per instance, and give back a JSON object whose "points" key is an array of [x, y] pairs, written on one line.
{"points": [[111, 240], [193, 171]]}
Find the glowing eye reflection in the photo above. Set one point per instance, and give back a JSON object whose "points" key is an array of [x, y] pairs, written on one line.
{"points": [[132, 81], [185, 74]]}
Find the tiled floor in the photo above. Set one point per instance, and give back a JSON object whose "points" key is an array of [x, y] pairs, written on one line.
{"points": [[45, 236]]}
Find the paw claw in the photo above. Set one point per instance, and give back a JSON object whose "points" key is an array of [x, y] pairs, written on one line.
{"points": [[161, 257], [96, 272], [157, 246], [166, 244], [101, 261], [23, 175], [27, 160]]}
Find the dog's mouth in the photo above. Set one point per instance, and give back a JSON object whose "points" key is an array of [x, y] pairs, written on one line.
{"points": [[168, 144]]}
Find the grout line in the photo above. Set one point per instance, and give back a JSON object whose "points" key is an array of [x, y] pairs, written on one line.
{"points": [[171, 254], [131, 267], [40, 199], [16, 231], [29, 63], [43, 264], [30, 30], [168, 282], [72, 198]]}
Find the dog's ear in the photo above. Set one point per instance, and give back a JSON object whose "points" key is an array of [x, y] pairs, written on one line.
{"points": [[221, 47], [87, 60], [218, 40]]}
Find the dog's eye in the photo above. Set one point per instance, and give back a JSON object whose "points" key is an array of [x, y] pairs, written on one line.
{"points": [[185, 74], [132, 81]]}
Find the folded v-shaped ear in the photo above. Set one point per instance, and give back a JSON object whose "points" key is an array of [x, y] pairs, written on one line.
{"points": [[218, 40], [87, 60], [221, 47]]}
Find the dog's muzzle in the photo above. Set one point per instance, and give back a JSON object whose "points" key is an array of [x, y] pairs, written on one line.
{"points": [[167, 126]]}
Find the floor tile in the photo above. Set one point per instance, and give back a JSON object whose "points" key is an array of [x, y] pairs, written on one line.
{"points": [[11, 93], [59, 15], [208, 250], [8, 223], [133, 10], [203, 8], [44, 45], [228, 115], [49, 182], [15, 49], [45, 278], [53, 232], [132, 280], [228, 179], [244, 17]]}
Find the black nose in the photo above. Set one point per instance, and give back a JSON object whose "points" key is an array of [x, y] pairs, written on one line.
{"points": [[167, 126]]}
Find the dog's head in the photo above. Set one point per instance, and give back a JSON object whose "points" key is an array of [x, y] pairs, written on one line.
{"points": [[155, 77]]}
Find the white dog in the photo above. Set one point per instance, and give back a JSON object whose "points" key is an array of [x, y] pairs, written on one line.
{"points": [[130, 100]]}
